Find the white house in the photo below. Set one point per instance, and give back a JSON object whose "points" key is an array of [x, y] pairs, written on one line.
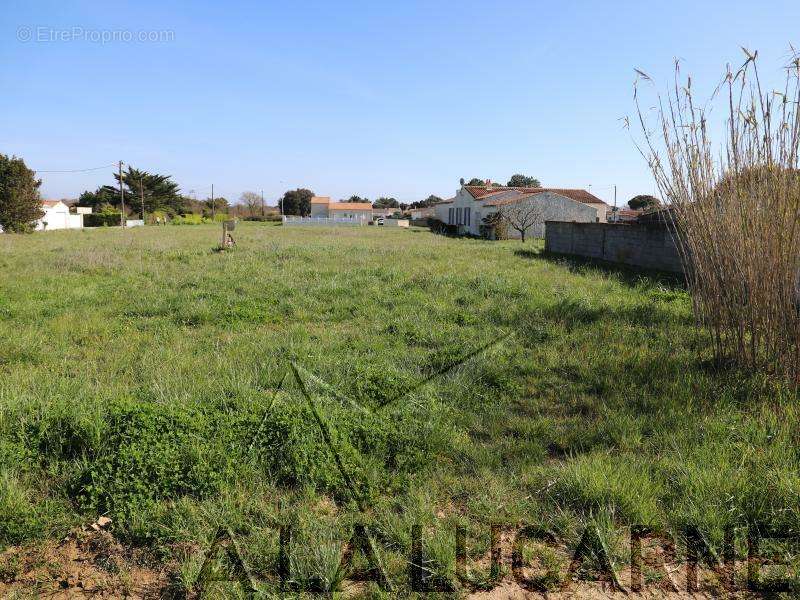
{"points": [[423, 213], [57, 216], [440, 209], [473, 203], [323, 208]]}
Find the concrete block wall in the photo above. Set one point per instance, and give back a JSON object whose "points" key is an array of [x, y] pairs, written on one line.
{"points": [[629, 244]]}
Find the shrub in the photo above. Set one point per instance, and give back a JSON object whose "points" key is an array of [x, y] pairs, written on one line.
{"points": [[268, 218], [441, 227], [161, 215], [494, 226], [190, 219], [102, 219]]}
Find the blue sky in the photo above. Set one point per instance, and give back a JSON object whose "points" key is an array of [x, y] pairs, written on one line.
{"points": [[371, 98]]}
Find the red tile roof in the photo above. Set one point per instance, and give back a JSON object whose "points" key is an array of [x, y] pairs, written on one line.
{"points": [[480, 192], [320, 200], [51, 203]]}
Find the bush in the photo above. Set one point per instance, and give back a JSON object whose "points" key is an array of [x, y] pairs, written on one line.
{"points": [[161, 215], [494, 227], [441, 227], [269, 218], [102, 219], [190, 219]]}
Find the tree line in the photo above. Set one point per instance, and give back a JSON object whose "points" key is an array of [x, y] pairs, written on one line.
{"points": [[148, 193], [516, 180]]}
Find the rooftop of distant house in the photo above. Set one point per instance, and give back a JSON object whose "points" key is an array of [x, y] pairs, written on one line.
{"points": [[340, 205], [628, 213], [483, 192]]}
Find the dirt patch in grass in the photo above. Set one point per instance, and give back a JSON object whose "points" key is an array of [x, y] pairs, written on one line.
{"points": [[510, 590], [88, 563], [657, 570]]}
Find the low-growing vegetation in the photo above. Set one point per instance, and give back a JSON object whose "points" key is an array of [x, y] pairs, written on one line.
{"points": [[143, 377]]}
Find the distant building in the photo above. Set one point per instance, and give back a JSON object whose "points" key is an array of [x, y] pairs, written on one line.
{"points": [[440, 209], [624, 215], [57, 216], [323, 208], [473, 203], [384, 212], [423, 213]]}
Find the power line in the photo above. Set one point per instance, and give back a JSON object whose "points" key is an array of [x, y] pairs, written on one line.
{"points": [[79, 170]]}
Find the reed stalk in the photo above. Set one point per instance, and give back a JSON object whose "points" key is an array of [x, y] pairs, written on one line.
{"points": [[734, 208]]}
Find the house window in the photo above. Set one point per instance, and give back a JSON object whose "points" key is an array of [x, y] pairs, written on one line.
{"points": [[449, 216], [458, 216], [466, 216]]}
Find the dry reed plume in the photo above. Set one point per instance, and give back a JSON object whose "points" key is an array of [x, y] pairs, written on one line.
{"points": [[735, 211]]}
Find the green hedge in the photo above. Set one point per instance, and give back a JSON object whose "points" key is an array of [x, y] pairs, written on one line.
{"points": [[441, 227], [190, 219], [270, 218], [102, 219]]}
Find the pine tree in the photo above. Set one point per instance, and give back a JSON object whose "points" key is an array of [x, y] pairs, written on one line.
{"points": [[20, 203], [159, 191]]}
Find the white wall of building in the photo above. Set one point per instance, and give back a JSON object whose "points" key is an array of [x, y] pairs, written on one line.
{"points": [[468, 213], [58, 217], [602, 212], [440, 211], [556, 208]]}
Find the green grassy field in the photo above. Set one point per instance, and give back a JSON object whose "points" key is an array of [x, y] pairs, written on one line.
{"points": [[139, 373]]}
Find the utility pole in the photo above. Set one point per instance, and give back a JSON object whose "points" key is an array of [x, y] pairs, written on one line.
{"points": [[141, 191], [615, 198], [121, 197], [213, 208]]}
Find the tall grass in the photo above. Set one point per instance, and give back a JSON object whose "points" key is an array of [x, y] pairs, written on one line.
{"points": [[139, 374], [736, 214]]}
